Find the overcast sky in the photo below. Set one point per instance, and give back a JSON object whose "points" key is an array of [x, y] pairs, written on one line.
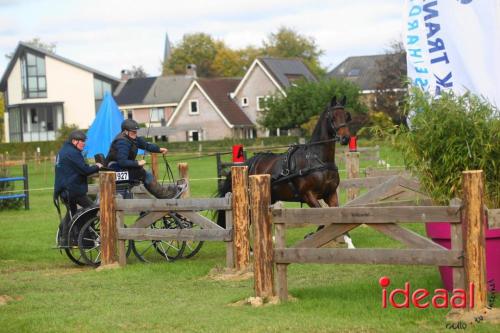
{"points": [[110, 35]]}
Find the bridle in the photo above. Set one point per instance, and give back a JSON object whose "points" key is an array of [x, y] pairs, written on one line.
{"points": [[335, 128]]}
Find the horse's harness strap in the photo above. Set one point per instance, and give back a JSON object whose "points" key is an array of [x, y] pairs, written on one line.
{"points": [[305, 172]]}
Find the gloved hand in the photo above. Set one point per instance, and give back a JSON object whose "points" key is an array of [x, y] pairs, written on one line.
{"points": [[141, 162], [163, 150]]}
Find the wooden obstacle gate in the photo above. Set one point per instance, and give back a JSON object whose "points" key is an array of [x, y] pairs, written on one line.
{"points": [[466, 256], [114, 234]]}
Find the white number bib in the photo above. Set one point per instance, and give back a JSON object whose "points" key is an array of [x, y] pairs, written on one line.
{"points": [[122, 175]]}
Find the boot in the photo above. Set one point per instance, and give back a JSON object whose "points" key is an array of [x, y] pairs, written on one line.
{"points": [[161, 192]]}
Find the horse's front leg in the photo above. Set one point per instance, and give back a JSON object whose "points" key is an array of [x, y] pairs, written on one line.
{"points": [[333, 201]]}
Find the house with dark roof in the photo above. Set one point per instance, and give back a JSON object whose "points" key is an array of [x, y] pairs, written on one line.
{"points": [[265, 77], [151, 100], [208, 112], [365, 71], [43, 91]]}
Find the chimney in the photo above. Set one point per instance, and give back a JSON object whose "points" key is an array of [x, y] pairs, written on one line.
{"points": [[191, 70], [125, 75]]}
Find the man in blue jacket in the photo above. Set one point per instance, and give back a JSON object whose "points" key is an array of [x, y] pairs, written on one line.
{"points": [[123, 152], [71, 178]]}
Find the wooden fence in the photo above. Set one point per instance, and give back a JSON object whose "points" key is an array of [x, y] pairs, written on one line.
{"points": [[235, 206], [466, 256]]}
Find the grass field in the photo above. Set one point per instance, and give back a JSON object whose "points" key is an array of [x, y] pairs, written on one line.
{"points": [[47, 293]]}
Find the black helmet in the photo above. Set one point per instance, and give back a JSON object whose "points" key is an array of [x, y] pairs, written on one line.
{"points": [[77, 135], [130, 125]]}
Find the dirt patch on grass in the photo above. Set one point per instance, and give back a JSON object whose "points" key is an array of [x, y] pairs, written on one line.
{"points": [[66, 271], [261, 301], [4, 299], [229, 274]]}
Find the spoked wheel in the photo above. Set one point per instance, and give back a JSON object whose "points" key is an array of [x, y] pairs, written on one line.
{"points": [[89, 242], [154, 250], [73, 253], [192, 246]]}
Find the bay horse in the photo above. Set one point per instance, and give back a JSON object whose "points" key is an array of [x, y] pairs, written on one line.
{"points": [[306, 173]]}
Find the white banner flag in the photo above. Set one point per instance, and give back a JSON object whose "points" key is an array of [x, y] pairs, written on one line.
{"points": [[454, 44]]}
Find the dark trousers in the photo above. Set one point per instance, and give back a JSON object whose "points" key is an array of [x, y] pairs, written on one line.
{"points": [[72, 203]]}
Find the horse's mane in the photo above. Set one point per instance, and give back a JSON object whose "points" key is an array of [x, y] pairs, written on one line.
{"points": [[317, 130]]}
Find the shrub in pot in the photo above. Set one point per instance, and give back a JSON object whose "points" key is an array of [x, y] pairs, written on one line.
{"points": [[448, 135]]}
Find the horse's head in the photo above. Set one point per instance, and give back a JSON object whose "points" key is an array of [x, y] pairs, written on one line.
{"points": [[338, 118]]}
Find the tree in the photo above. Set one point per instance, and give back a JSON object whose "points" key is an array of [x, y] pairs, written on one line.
{"points": [[391, 90], [138, 73], [228, 62], [308, 99], [37, 42], [197, 48], [288, 43]]}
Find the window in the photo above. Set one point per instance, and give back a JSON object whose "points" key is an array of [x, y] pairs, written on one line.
{"points": [[193, 107], [100, 89], [33, 76], [294, 78], [157, 114], [193, 135], [354, 72], [244, 101], [261, 102], [36, 122]]}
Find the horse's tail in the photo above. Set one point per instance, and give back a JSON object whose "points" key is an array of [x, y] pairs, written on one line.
{"points": [[221, 193]]}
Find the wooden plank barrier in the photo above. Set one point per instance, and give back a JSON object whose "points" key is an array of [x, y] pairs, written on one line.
{"points": [[113, 212], [467, 255]]}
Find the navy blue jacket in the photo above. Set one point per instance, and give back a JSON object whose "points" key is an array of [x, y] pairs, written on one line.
{"points": [[123, 150], [72, 171]]}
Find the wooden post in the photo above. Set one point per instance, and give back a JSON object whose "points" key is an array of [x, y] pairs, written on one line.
{"points": [[122, 251], [260, 200], [230, 256], [52, 157], [457, 244], [24, 157], [184, 173], [26, 187], [473, 235], [154, 165], [241, 221], [281, 269], [352, 167], [108, 217]]}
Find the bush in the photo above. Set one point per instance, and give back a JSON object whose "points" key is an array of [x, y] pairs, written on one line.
{"points": [[448, 135]]}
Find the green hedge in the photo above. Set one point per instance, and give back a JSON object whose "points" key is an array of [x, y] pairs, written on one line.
{"points": [[15, 150]]}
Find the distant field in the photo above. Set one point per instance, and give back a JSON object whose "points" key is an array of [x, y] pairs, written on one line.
{"points": [[47, 293]]}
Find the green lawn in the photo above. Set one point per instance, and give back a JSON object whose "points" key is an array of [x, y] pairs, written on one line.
{"points": [[50, 294]]}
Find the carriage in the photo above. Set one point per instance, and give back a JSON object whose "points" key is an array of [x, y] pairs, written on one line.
{"points": [[83, 245]]}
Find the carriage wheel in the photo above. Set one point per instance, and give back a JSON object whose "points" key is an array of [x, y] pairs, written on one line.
{"points": [[73, 253], [89, 242], [153, 250], [192, 246]]}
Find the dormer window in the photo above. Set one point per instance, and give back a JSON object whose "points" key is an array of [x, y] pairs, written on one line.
{"points": [[354, 72], [33, 76]]}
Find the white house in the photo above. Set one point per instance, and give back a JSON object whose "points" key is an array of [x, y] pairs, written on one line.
{"points": [[43, 91]]}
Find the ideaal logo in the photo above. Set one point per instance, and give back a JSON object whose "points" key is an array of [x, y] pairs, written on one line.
{"points": [[440, 299], [465, 2]]}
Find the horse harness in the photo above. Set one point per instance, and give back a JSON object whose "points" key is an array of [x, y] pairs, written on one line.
{"points": [[287, 171]]}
